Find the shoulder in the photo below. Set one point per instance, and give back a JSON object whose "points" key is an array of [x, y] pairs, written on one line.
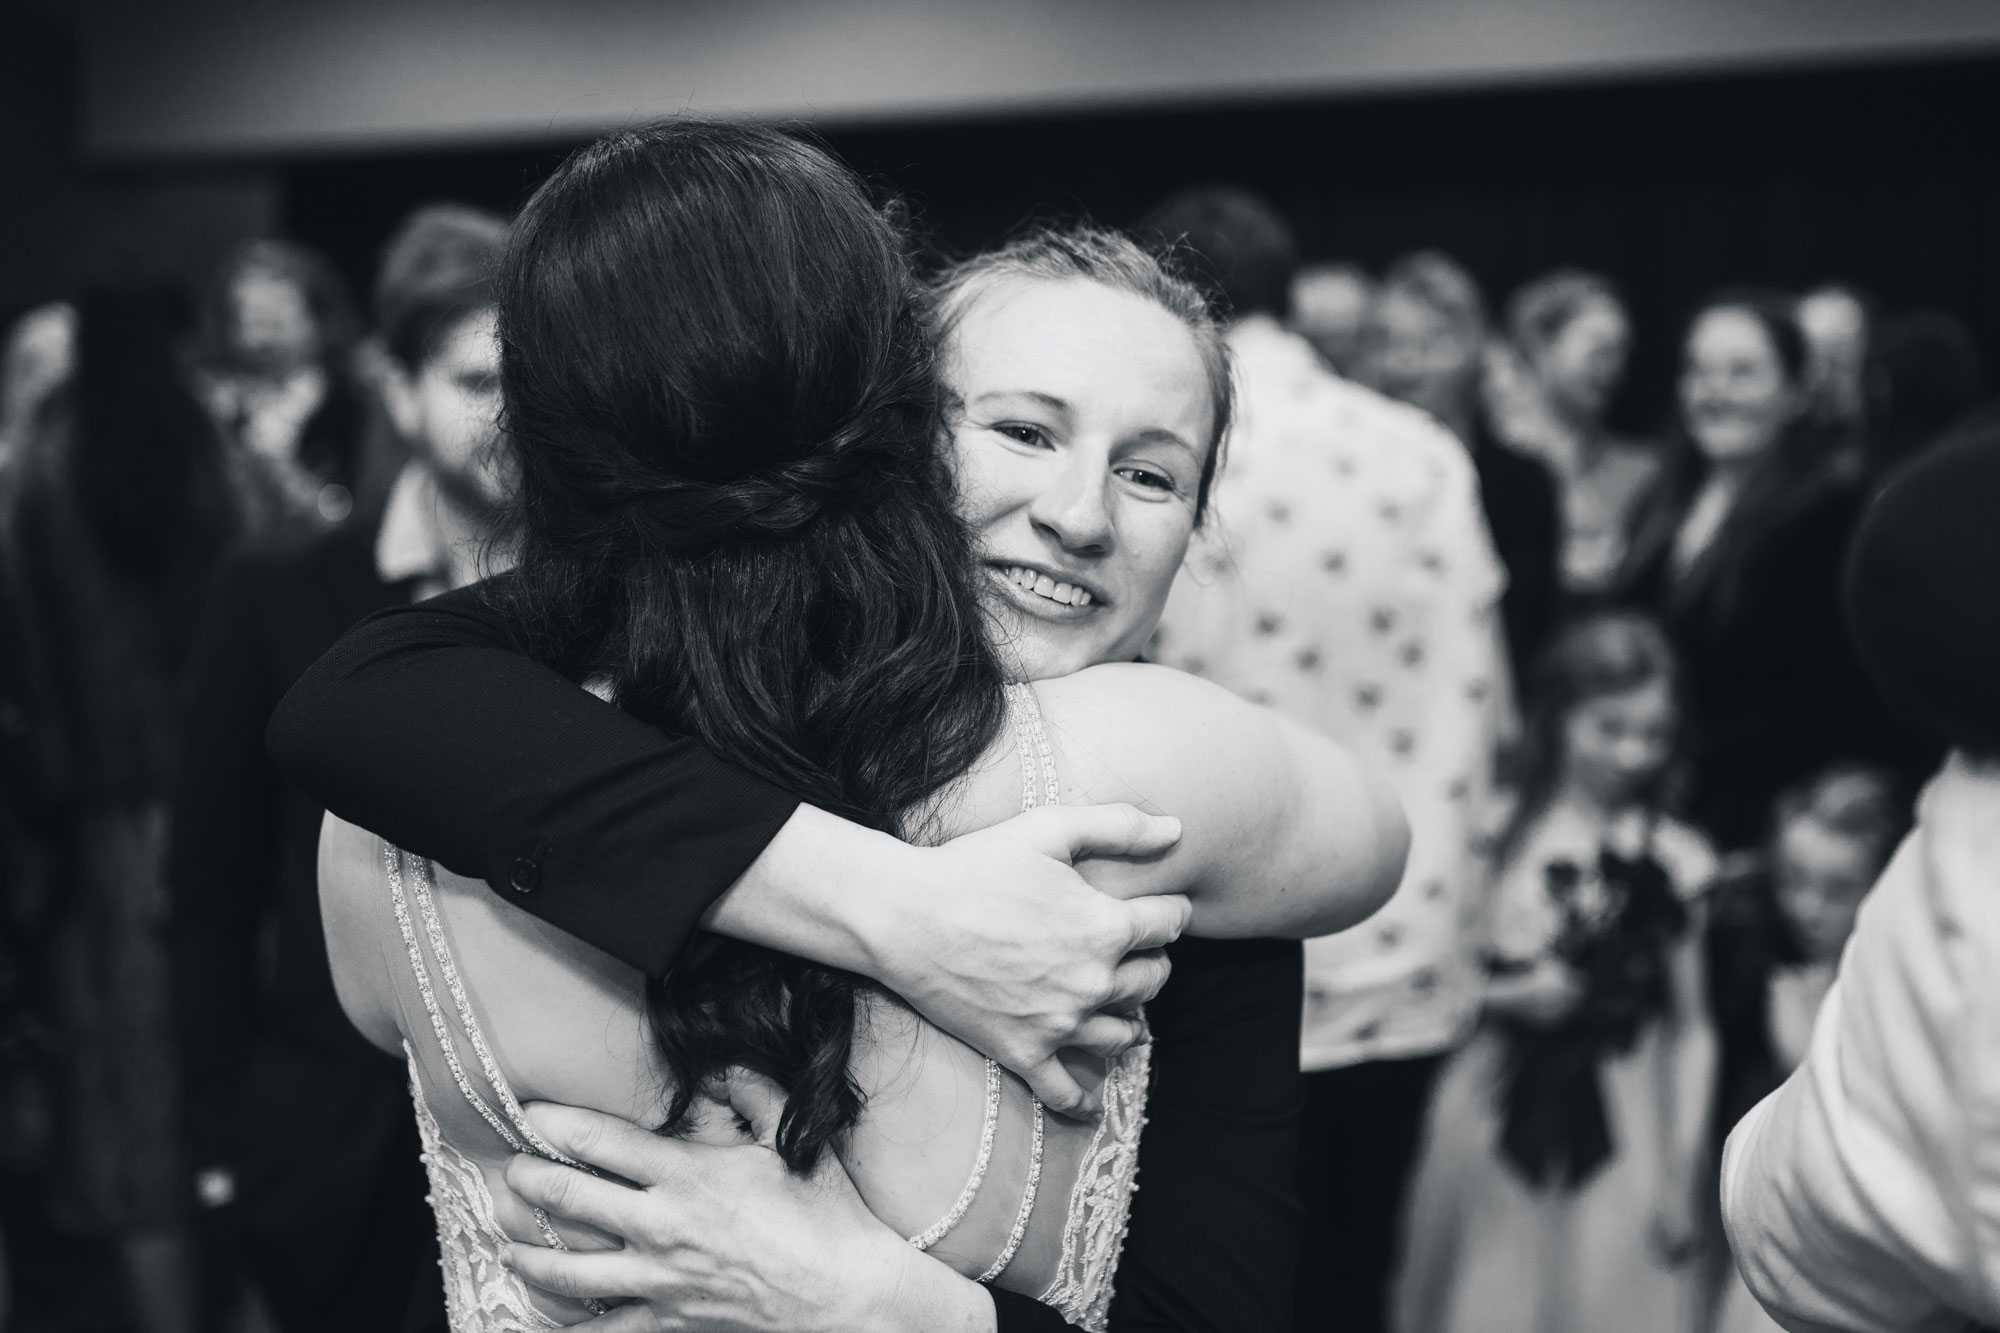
{"points": [[1142, 707]]}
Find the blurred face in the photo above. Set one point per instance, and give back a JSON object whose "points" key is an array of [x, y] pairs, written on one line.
{"points": [[449, 411], [1422, 357], [1736, 399], [275, 330], [1080, 427], [1617, 744], [1330, 309], [1580, 368], [1821, 877], [40, 357], [1836, 329]]}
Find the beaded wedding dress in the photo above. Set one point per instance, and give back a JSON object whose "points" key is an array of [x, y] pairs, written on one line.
{"points": [[483, 1296]]}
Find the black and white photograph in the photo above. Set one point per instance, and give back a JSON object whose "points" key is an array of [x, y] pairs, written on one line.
{"points": [[1000, 666]]}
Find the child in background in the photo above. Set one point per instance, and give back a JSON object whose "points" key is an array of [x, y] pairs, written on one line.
{"points": [[1558, 1184], [1775, 941]]}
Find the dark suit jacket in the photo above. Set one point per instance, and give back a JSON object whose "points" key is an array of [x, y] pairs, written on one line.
{"points": [[279, 1087], [427, 725], [1774, 688], [1519, 496]]}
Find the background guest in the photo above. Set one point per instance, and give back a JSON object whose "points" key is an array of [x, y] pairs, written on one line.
{"points": [[1776, 930], [1923, 378], [1741, 551], [1562, 1158], [301, 1132], [1572, 337], [1426, 346], [112, 534], [1346, 578], [1838, 324], [1861, 1195], [36, 360], [274, 364], [1330, 310]]}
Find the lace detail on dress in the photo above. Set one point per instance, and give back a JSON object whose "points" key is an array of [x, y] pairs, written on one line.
{"points": [[1100, 1203], [480, 1294]]}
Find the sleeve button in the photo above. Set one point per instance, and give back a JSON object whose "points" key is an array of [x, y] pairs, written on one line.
{"points": [[525, 875]]}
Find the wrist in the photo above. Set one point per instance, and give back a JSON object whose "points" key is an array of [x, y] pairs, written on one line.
{"points": [[826, 889], [928, 1297]]}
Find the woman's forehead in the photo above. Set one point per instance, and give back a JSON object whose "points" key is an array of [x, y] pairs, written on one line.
{"points": [[1078, 340]]}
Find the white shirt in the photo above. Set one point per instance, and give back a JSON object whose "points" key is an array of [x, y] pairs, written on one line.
{"points": [[1864, 1194], [416, 540], [1345, 576]]}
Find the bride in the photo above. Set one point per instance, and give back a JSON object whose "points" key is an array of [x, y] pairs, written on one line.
{"points": [[739, 525]]}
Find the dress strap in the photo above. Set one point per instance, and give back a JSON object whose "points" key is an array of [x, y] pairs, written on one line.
{"points": [[925, 1239], [1037, 760], [510, 1122], [1038, 786]]}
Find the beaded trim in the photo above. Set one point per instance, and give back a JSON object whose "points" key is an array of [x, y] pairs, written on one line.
{"points": [[924, 1240], [1027, 1200], [392, 859], [1028, 728]]}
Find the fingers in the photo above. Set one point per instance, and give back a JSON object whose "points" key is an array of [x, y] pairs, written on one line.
{"points": [[569, 1193], [606, 1142], [1138, 979], [1109, 1035], [600, 1274], [1072, 832], [638, 1317], [1059, 1091], [1159, 919]]}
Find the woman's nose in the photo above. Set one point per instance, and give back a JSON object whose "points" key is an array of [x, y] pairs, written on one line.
{"points": [[1075, 510]]}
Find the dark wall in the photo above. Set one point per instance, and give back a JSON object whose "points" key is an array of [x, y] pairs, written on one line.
{"points": [[63, 222], [1878, 176]]}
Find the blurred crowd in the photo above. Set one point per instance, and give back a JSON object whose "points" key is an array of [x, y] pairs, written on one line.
{"points": [[1648, 780]]}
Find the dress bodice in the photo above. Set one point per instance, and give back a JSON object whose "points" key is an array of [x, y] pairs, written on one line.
{"points": [[483, 1296]]}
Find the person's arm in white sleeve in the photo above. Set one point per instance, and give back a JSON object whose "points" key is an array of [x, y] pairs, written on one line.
{"points": [[1854, 1195]]}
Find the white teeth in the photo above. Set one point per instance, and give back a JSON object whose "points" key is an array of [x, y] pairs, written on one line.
{"points": [[1028, 580]]}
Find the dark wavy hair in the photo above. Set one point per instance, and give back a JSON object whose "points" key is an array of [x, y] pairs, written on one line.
{"points": [[736, 509]]}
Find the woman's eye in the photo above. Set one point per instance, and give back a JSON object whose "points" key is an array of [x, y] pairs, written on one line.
{"points": [[1147, 477], [1022, 432]]}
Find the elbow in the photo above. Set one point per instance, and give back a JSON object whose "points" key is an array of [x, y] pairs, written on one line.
{"points": [[1368, 881], [1384, 871]]}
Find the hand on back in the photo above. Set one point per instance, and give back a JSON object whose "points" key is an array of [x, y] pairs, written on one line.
{"points": [[1005, 946]]}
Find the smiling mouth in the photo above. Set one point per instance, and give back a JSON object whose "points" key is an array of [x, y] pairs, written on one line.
{"points": [[1034, 588]]}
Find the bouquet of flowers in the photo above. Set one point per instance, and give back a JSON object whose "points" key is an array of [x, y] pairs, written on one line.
{"points": [[1619, 918]]}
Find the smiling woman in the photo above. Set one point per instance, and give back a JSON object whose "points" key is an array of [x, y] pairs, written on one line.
{"points": [[1089, 396]]}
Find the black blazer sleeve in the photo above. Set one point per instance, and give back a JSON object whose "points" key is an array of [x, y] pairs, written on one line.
{"points": [[427, 725], [225, 826]]}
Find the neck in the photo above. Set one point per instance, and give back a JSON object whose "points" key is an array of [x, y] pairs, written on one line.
{"points": [[1586, 802]]}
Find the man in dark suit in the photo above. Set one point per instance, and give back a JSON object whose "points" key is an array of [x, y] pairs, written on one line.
{"points": [[302, 1133]]}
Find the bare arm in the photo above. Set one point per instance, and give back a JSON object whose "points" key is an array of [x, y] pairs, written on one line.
{"points": [[1284, 833]]}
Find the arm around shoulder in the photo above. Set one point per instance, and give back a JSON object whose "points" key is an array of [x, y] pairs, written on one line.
{"points": [[1284, 832]]}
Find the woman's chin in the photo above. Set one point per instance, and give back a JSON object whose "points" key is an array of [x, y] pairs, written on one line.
{"points": [[1042, 654]]}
